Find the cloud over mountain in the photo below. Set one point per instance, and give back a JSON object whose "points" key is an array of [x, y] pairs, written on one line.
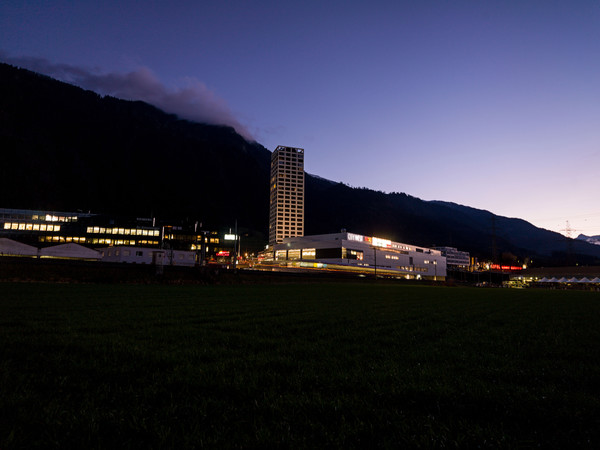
{"points": [[195, 101]]}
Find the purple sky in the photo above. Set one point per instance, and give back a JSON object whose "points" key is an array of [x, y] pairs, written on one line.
{"points": [[490, 104]]}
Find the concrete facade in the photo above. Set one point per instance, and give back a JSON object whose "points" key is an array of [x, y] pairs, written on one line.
{"points": [[363, 253], [144, 255]]}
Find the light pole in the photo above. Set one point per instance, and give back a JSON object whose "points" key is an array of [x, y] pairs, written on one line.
{"points": [[375, 257], [203, 247]]}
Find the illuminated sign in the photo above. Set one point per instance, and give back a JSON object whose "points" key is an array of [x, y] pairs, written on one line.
{"points": [[381, 242], [230, 237], [499, 267], [378, 242], [355, 237], [223, 253]]}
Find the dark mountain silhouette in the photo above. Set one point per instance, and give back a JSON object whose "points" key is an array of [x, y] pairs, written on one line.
{"points": [[64, 148], [67, 149]]}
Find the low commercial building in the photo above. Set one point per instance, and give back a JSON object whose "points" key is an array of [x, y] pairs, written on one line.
{"points": [[144, 255], [455, 258], [47, 228], [354, 252]]}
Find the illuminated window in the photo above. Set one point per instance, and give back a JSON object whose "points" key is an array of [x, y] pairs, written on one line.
{"points": [[7, 225], [21, 226], [308, 253]]}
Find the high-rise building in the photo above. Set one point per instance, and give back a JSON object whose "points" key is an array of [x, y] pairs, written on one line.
{"points": [[286, 214]]}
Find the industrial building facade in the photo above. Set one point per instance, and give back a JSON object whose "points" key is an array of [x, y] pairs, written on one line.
{"points": [[286, 206], [348, 251], [50, 228], [455, 258]]}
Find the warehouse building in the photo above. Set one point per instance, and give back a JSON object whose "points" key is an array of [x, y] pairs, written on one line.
{"points": [[354, 252], [144, 255]]}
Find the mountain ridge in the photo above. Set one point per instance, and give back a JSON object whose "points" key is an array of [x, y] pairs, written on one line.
{"points": [[66, 148]]}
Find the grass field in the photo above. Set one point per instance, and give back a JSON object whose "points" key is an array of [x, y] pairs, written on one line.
{"points": [[297, 366]]}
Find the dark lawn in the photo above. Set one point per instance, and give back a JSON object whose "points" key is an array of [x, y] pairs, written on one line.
{"points": [[298, 365]]}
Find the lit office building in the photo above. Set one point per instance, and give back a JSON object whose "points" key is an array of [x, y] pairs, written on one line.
{"points": [[286, 213], [51, 227]]}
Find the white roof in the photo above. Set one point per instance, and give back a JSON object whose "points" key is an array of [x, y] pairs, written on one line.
{"points": [[70, 251], [14, 248]]}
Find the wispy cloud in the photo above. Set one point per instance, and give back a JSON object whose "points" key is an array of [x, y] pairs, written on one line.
{"points": [[194, 101]]}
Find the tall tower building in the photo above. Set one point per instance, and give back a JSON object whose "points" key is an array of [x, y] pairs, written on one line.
{"points": [[286, 214]]}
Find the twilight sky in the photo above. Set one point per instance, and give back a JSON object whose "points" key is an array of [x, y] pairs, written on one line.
{"points": [[490, 104]]}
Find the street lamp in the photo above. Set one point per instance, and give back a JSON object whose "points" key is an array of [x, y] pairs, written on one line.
{"points": [[375, 255]]}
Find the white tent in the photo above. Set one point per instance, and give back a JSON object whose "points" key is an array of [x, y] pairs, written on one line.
{"points": [[563, 280], [553, 280], [70, 251], [543, 280], [572, 280], [595, 280], [8, 247], [584, 280]]}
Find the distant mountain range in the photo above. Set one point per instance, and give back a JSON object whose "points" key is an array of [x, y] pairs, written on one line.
{"points": [[64, 148], [590, 239]]}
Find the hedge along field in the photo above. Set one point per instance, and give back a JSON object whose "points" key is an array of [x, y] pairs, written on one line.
{"points": [[298, 366]]}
